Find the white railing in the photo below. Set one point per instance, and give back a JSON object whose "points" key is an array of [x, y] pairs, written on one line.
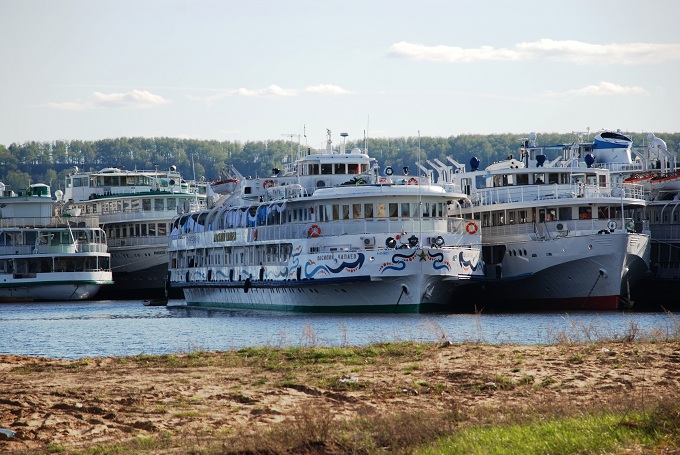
{"points": [[136, 215], [529, 193], [138, 241], [553, 228], [339, 228], [54, 221]]}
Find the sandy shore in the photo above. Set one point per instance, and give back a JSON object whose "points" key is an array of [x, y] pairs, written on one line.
{"points": [[76, 404]]}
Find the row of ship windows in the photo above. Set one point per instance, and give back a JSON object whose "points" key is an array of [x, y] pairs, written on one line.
{"points": [[119, 231], [135, 205], [267, 254]]}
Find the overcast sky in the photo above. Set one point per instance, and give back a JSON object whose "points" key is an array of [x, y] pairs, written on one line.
{"points": [[271, 69]]}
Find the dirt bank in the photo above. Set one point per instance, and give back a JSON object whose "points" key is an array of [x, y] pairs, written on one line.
{"points": [[64, 404]]}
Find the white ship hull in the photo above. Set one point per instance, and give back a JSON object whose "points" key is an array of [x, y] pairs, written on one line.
{"points": [[591, 272], [409, 280], [53, 286]]}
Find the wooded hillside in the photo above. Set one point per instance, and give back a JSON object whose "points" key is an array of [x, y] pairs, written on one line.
{"points": [[48, 162]]}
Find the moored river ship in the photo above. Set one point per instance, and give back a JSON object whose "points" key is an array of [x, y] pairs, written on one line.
{"points": [[135, 209], [46, 253], [557, 233], [326, 235]]}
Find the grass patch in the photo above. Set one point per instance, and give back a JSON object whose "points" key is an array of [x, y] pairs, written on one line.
{"points": [[603, 433]]}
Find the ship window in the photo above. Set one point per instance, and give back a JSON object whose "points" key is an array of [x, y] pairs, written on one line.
{"points": [[152, 229], [368, 210], [340, 168], [585, 213], [380, 210], [352, 168], [364, 167], [553, 178], [564, 213], [405, 212], [394, 209], [345, 212], [159, 205], [356, 211], [326, 169], [336, 212], [522, 215], [603, 181], [172, 203]]}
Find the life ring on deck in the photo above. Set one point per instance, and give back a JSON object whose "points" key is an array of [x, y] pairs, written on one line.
{"points": [[255, 234], [611, 225], [413, 181], [267, 184], [314, 230], [471, 227]]}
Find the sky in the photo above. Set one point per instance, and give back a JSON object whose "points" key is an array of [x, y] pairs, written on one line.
{"points": [[254, 70]]}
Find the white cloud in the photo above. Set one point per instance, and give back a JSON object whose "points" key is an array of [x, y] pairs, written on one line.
{"points": [[275, 90], [607, 88], [563, 51], [134, 99], [327, 89]]}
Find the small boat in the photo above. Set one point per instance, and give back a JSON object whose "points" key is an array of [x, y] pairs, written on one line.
{"points": [[156, 302]]}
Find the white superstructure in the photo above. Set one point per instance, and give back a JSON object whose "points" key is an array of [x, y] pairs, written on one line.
{"points": [[47, 254]]}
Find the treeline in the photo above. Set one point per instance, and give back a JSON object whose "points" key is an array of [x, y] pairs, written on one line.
{"points": [[48, 162]]}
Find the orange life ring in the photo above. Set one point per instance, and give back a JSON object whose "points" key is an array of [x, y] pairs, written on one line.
{"points": [[413, 181], [471, 227], [267, 184], [255, 234], [314, 230]]}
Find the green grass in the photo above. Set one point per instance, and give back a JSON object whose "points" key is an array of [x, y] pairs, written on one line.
{"points": [[604, 433]]}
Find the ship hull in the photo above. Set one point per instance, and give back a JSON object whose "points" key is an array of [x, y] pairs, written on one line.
{"points": [[381, 281], [599, 275], [138, 272], [80, 286]]}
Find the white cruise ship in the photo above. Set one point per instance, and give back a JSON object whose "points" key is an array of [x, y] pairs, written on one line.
{"points": [[47, 254], [557, 234], [135, 209], [326, 234]]}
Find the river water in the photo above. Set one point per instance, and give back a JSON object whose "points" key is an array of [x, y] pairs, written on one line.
{"points": [[121, 328]]}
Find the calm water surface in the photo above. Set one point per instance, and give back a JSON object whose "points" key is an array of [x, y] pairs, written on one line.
{"points": [[120, 328]]}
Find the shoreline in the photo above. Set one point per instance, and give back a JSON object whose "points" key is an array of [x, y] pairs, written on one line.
{"points": [[71, 405]]}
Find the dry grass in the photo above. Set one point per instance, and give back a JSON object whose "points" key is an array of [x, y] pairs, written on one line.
{"points": [[383, 398]]}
